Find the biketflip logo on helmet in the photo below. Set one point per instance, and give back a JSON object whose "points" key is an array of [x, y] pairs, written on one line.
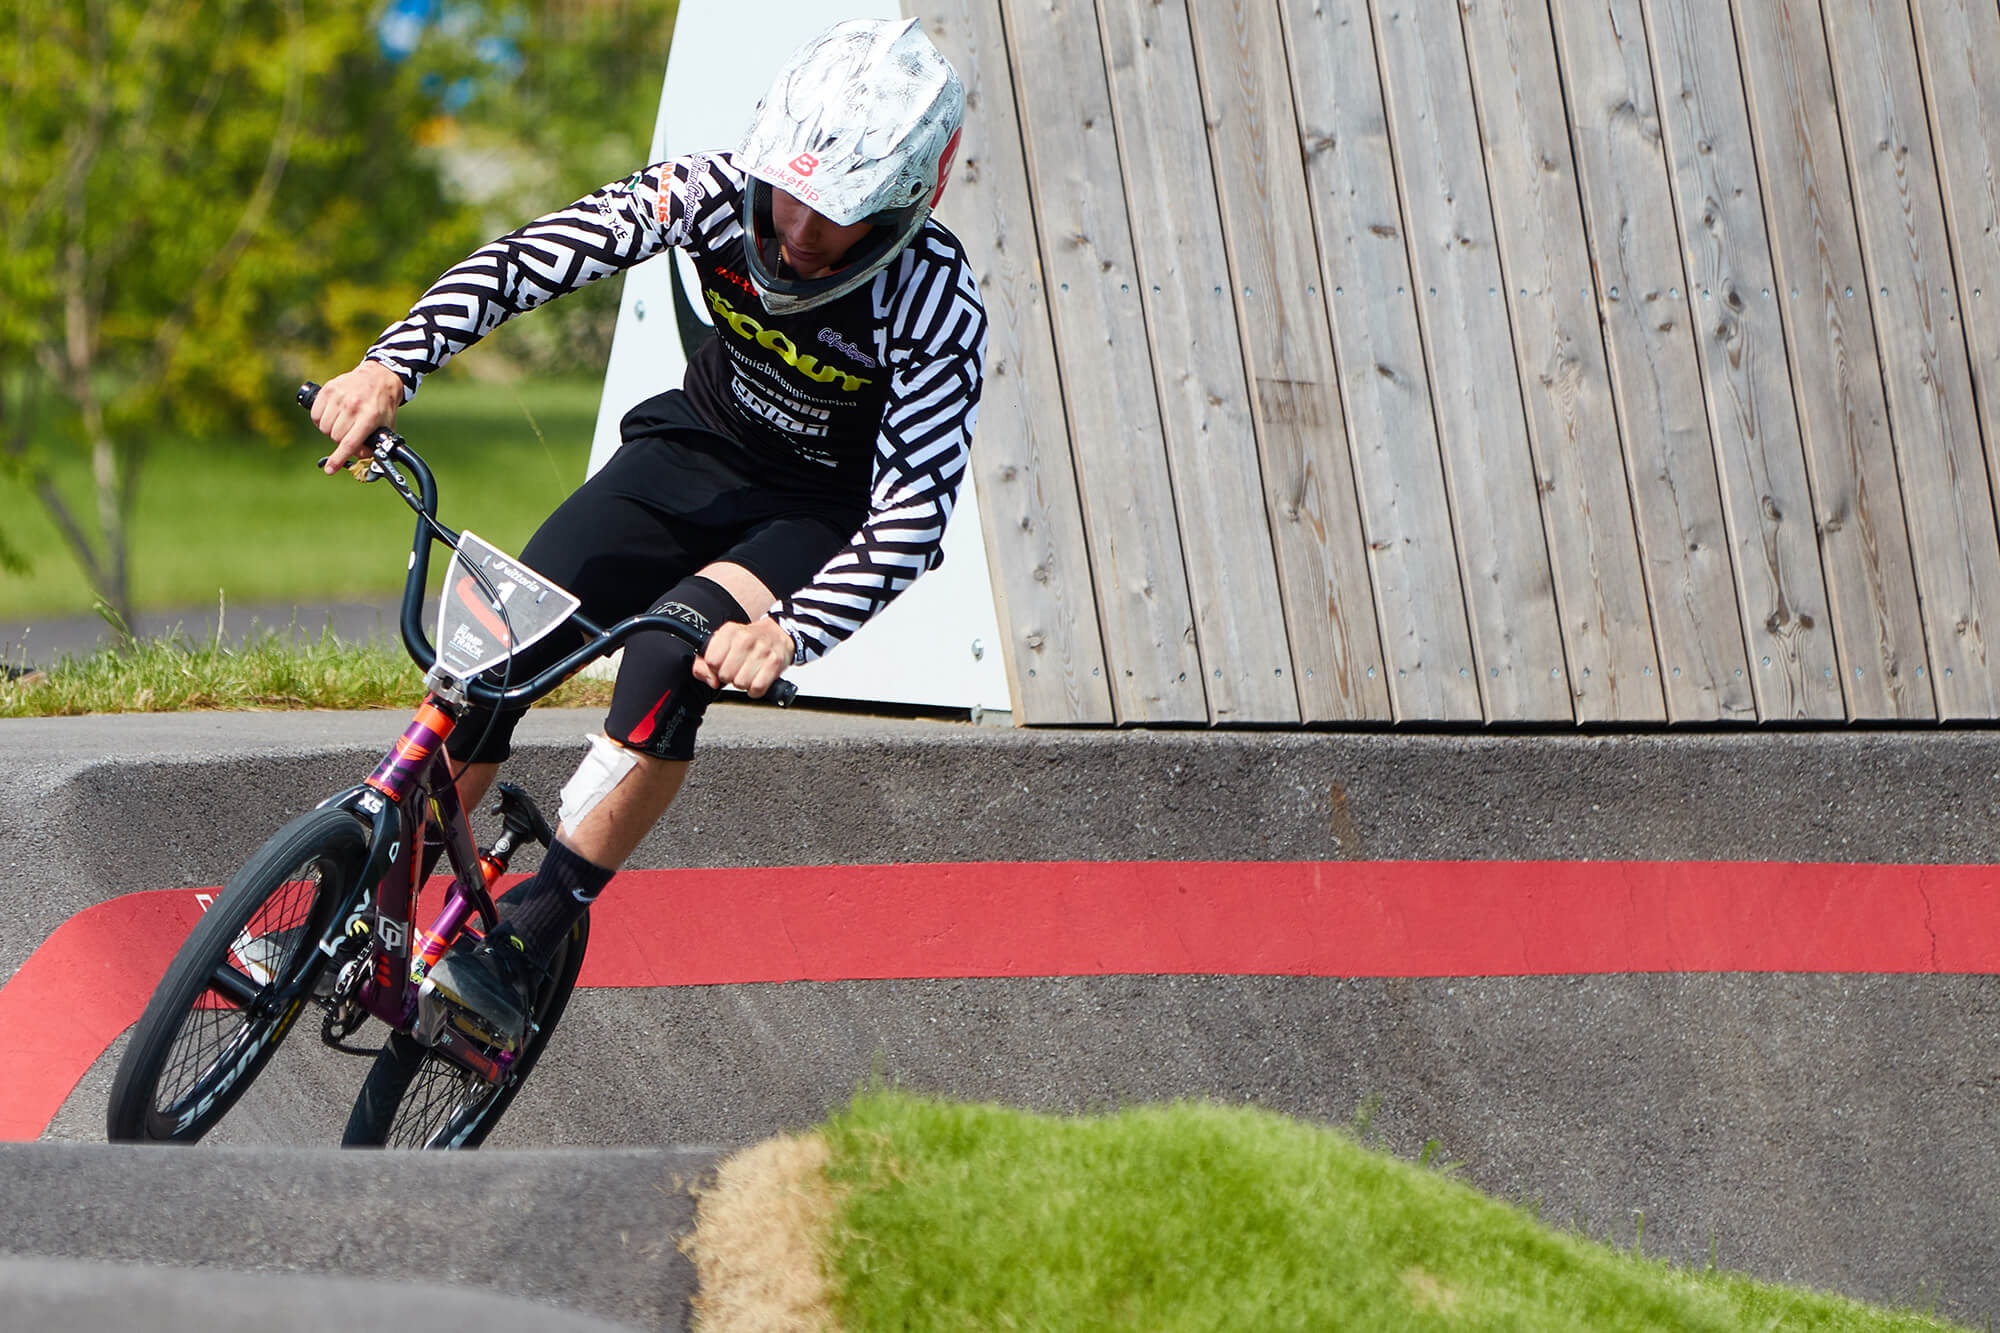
{"points": [[798, 186]]}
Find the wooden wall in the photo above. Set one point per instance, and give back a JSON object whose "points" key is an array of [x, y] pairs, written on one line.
{"points": [[1548, 362]]}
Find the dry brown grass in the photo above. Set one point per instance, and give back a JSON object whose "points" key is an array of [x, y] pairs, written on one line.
{"points": [[759, 1241]]}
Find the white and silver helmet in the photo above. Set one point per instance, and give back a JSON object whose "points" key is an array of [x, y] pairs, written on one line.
{"points": [[860, 124]]}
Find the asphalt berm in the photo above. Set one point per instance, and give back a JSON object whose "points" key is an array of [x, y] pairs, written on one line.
{"points": [[1822, 1127]]}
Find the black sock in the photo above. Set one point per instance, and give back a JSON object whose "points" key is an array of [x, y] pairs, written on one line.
{"points": [[543, 908]]}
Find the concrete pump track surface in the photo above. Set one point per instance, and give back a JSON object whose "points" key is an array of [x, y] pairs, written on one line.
{"points": [[1742, 984]]}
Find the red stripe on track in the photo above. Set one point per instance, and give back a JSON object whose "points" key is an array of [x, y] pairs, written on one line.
{"points": [[75, 994], [89, 981]]}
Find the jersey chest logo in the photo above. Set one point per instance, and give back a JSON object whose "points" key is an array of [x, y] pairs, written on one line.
{"points": [[775, 342]]}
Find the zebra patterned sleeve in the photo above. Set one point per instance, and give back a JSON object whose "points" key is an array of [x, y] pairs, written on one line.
{"points": [[604, 232], [937, 348]]}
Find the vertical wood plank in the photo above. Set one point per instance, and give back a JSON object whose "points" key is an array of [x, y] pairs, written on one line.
{"points": [[1114, 420], [1835, 368], [1385, 393], [1029, 507], [1336, 618], [1475, 388], [1739, 336], [1642, 300], [1183, 281], [1958, 47], [1565, 380], [1925, 367]]}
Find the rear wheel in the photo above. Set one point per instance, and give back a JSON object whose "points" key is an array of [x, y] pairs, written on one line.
{"points": [[416, 1097], [238, 983]]}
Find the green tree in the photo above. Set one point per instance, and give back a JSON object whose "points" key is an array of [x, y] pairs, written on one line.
{"points": [[198, 202], [543, 102]]}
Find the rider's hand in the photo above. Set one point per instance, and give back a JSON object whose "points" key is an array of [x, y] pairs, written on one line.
{"points": [[350, 408], [750, 657]]}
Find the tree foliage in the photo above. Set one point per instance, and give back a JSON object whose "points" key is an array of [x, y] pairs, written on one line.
{"points": [[202, 201], [544, 102], [197, 201]]}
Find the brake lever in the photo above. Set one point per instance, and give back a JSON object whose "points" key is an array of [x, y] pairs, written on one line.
{"points": [[361, 469]]}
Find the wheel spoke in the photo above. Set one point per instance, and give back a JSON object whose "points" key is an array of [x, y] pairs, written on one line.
{"points": [[440, 1093]]}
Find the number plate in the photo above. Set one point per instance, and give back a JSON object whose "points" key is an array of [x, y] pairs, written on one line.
{"points": [[492, 607]]}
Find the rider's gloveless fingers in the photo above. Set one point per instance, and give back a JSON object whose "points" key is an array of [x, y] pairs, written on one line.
{"points": [[775, 655], [347, 447], [747, 656], [755, 673], [355, 442], [351, 407], [729, 651], [331, 413]]}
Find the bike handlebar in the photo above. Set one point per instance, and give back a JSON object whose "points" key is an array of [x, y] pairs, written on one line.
{"points": [[387, 448]]}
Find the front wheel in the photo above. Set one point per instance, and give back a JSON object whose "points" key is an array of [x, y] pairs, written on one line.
{"points": [[238, 983], [416, 1097]]}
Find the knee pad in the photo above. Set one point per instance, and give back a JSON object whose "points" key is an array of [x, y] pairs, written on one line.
{"points": [[657, 704]]}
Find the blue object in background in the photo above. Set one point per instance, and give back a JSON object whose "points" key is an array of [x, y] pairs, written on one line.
{"points": [[401, 27], [405, 24]]}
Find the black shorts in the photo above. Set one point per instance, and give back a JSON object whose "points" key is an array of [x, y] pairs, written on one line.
{"points": [[678, 496], [675, 498]]}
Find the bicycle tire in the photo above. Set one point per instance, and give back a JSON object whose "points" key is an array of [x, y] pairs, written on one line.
{"points": [[214, 1022], [416, 1098]]}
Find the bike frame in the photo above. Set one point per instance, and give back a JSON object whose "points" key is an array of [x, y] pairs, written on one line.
{"points": [[414, 781], [414, 778]]}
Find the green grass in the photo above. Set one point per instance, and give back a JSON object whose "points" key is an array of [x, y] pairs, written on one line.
{"points": [[253, 521], [164, 675], [275, 669], [1206, 1217]]}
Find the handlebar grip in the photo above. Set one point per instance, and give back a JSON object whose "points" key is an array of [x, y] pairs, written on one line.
{"points": [[308, 392], [782, 692]]}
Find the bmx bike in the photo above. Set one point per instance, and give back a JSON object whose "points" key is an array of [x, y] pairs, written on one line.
{"points": [[325, 915]]}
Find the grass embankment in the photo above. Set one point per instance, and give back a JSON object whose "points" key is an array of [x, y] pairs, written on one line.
{"points": [[927, 1215], [252, 521], [273, 670]]}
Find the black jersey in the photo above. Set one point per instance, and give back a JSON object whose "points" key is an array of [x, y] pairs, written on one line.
{"points": [[872, 394]]}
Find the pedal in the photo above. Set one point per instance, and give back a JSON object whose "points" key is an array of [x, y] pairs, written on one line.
{"points": [[521, 821], [438, 1019], [520, 816], [432, 1015]]}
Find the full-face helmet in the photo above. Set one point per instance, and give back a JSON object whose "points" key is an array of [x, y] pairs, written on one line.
{"points": [[861, 124]]}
